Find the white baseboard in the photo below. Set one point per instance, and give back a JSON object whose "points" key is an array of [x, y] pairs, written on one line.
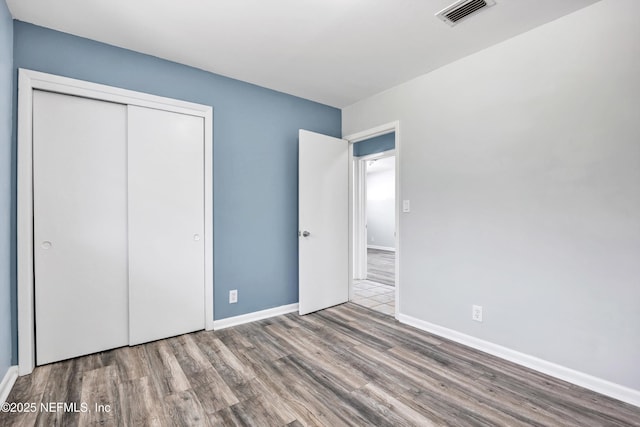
{"points": [[252, 317], [382, 248], [7, 383], [587, 381]]}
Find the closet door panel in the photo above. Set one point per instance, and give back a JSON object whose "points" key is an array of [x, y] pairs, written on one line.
{"points": [[166, 223], [80, 226]]}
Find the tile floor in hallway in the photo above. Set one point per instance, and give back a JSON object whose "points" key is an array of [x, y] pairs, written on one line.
{"points": [[375, 296]]}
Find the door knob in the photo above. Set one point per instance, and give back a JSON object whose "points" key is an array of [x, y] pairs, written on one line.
{"points": [[46, 244], [305, 233]]}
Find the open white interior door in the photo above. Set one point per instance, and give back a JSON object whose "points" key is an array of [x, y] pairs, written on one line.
{"points": [[323, 221]]}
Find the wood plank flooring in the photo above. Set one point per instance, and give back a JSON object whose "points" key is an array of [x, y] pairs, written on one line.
{"points": [[346, 365], [381, 266]]}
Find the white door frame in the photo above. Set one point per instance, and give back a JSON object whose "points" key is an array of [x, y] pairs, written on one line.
{"points": [[28, 81], [356, 201]]}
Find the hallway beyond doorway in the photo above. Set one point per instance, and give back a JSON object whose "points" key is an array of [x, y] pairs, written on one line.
{"points": [[377, 292], [381, 266]]}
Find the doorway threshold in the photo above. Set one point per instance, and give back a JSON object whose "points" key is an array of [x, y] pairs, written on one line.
{"points": [[376, 296]]}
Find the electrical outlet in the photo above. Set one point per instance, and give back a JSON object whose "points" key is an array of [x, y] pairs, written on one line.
{"points": [[476, 313], [233, 296]]}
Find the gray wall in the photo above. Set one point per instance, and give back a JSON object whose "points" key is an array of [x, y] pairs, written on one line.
{"points": [[381, 216], [6, 89], [524, 184]]}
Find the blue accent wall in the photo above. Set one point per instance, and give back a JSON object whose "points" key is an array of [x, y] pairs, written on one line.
{"points": [[255, 149], [375, 145], [7, 321]]}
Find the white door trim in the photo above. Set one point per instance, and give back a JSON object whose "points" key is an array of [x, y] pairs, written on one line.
{"points": [[356, 211], [359, 214], [28, 81]]}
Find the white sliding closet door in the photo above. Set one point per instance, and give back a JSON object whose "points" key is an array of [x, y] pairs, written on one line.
{"points": [[80, 225], [166, 224]]}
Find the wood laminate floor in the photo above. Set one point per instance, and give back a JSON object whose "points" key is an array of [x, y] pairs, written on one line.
{"points": [[346, 365], [381, 266]]}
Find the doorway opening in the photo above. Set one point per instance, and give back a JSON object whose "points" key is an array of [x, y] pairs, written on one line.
{"points": [[374, 221]]}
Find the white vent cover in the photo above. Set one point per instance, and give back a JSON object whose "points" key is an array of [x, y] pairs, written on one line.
{"points": [[462, 9]]}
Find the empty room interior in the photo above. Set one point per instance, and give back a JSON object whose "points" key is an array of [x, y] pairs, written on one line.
{"points": [[320, 213]]}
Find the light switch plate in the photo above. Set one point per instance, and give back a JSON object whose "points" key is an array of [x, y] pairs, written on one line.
{"points": [[406, 207]]}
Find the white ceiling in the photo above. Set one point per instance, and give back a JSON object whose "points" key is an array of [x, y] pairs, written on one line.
{"points": [[336, 52]]}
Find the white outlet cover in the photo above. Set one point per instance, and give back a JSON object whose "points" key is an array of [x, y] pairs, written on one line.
{"points": [[476, 313], [233, 296]]}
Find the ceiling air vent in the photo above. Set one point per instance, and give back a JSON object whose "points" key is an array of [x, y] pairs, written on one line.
{"points": [[462, 9]]}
